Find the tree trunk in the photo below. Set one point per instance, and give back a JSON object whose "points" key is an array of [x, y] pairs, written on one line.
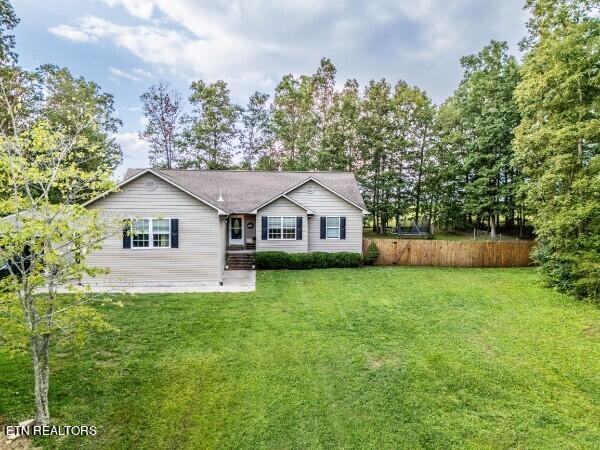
{"points": [[419, 176], [383, 225], [493, 227], [40, 352], [432, 208], [521, 223]]}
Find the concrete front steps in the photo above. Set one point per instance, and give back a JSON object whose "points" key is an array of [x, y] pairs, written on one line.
{"points": [[239, 261]]}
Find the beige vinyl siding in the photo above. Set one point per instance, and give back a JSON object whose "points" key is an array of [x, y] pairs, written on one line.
{"points": [[325, 203], [222, 245], [249, 233], [281, 207], [197, 259]]}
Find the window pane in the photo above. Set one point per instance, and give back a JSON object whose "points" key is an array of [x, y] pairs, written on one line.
{"points": [[289, 222], [140, 226], [289, 228], [160, 225], [140, 233], [274, 222], [161, 240], [333, 221], [333, 233], [140, 240], [274, 227]]}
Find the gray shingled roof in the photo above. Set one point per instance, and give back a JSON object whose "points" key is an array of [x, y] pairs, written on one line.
{"points": [[244, 191]]}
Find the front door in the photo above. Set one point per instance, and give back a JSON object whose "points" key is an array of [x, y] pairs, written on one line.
{"points": [[236, 230]]}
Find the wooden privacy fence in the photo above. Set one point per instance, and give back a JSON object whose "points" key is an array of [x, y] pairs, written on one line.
{"points": [[409, 252]]}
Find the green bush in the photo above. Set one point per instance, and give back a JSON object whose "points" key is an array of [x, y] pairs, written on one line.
{"points": [[576, 272], [298, 261], [372, 254]]}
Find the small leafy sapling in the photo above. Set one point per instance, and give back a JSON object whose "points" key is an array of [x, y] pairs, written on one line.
{"points": [[45, 236]]}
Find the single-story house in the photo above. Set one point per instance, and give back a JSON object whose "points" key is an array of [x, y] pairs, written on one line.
{"points": [[186, 227]]}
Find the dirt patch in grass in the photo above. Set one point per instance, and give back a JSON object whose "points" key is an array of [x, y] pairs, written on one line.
{"points": [[21, 443]]}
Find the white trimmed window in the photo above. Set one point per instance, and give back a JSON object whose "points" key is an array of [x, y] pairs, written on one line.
{"points": [[333, 227], [151, 233], [161, 232], [281, 228]]}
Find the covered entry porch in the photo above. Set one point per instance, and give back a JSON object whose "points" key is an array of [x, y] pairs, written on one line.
{"points": [[241, 232], [241, 242]]}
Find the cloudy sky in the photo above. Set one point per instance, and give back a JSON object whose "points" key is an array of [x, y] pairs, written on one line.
{"points": [[126, 45]]}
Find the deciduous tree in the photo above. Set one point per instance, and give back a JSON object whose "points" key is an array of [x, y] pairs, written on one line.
{"points": [[211, 130], [8, 21], [294, 123], [45, 235], [162, 108], [558, 140], [256, 137], [489, 115]]}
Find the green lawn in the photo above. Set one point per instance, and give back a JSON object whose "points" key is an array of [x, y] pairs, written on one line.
{"points": [[349, 358]]}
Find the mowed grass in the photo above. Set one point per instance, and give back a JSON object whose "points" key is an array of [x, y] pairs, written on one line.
{"points": [[350, 358]]}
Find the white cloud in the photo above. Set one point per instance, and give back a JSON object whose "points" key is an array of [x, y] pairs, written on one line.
{"points": [[72, 33], [139, 8], [251, 43], [123, 74], [142, 73], [135, 150]]}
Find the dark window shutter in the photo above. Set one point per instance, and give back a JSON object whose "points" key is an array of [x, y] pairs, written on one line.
{"points": [[264, 228], [342, 228], [174, 233], [323, 227], [299, 228], [126, 235]]}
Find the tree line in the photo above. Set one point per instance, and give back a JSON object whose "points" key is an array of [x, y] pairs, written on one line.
{"points": [[450, 165]]}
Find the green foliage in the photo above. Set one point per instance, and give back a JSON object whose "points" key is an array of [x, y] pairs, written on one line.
{"points": [[45, 241], [294, 123], [208, 139], [480, 118], [372, 254], [45, 233], [8, 21], [73, 108], [395, 137], [255, 135], [340, 138], [316, 260], [558, 141]]}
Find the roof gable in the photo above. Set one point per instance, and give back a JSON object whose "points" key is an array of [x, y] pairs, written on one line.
{"points": [[289, 199], [135, 175]]}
